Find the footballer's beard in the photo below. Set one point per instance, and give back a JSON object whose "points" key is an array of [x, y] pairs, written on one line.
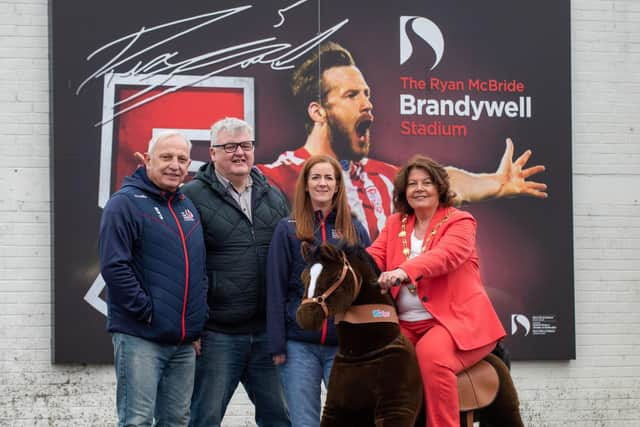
{"points": [[345, 143]]}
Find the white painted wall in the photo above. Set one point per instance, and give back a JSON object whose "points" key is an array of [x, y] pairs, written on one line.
{"points": [[600, 388]]}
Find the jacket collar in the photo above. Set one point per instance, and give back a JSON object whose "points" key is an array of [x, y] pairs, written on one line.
{"points": [[318, 216], [207, 174], [437, 216]]}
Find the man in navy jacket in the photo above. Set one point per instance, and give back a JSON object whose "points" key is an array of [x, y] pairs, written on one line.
{"points": [[152, 258]]}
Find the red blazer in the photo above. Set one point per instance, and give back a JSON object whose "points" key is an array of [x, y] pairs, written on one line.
{"points": [[449, 286]]}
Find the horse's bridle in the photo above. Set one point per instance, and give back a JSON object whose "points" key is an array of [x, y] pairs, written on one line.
{"points": [[320, 299]]}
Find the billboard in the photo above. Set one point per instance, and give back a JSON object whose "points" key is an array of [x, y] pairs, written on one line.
{"points": [[448, 79]]}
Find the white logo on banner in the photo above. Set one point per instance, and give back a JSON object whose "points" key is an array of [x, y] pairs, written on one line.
{"points": [[520, 321], [427, 30]]}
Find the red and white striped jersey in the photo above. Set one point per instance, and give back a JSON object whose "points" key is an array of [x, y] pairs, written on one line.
{"points": [[368, 182]]}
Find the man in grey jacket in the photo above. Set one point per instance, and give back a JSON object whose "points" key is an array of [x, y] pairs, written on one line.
{"points": [[239, 211]]}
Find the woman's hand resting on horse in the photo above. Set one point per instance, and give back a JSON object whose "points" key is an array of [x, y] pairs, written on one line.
{"points": [[279, 359], [389, 279]]}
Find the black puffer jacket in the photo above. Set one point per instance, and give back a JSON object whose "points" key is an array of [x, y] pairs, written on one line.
{"points": [[236, 248]]}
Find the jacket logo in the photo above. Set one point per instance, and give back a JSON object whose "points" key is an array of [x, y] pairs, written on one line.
{"points": [[157, 210], [427, 30], [187, 215]]}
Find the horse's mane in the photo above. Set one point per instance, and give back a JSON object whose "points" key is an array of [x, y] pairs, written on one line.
{"points": [[354, 253], [358, 252], [311, 316]]}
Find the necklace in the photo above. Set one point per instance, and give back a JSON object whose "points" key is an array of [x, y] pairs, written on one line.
{"points": [[425, 243]]}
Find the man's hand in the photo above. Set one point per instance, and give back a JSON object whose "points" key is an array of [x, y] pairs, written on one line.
{"points": [[509, 180], [139, 157], [513, 175], [197, 346], [279, 359]]}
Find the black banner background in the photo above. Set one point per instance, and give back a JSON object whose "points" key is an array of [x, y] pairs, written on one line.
{"points": [[525, 244]]}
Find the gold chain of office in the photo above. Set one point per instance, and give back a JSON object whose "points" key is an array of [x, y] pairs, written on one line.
{"points": [[405, 245]]}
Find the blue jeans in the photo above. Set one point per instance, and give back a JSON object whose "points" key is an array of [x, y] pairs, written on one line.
{"points": [[306, 366], [226, 360], [153, 381]]}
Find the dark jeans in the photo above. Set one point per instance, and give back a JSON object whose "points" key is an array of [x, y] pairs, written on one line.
{"points": [[226, 360]]}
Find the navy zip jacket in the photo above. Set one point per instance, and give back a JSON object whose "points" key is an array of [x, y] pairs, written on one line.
{"points": [[152, 258], [284, 285]]}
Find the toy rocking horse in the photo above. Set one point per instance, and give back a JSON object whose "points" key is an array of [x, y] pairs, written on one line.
{"points": [[375, 379]]}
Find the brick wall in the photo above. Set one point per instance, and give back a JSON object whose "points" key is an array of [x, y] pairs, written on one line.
{"points": [[600, 388]]}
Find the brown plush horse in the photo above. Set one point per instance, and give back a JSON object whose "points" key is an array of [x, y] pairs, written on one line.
{"points": [[375, 380]]}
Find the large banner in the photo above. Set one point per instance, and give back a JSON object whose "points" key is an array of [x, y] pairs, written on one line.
{"points": [[449, 79]]}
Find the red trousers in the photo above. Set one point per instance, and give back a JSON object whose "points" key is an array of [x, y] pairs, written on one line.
{"points": [[440, 360]]}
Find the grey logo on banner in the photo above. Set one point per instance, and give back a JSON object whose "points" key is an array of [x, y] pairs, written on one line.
{"points": [[520, 321], [424, 28]]}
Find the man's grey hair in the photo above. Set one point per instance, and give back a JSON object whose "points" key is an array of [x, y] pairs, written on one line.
{"points": [[164, 135], [231, 125]]}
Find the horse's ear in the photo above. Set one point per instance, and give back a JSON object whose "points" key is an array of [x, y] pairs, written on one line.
{"points": [[329, 251], [306, 249], [310, 316], [305, 276]]}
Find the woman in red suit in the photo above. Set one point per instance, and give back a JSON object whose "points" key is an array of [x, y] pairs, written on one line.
{"points": [[444, 310]]}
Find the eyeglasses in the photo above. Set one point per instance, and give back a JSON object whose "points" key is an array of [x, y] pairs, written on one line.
{"points": [[232, 147]]}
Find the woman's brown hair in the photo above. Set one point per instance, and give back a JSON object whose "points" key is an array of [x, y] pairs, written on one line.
{"points": [[303, 209], [438, 176]]}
